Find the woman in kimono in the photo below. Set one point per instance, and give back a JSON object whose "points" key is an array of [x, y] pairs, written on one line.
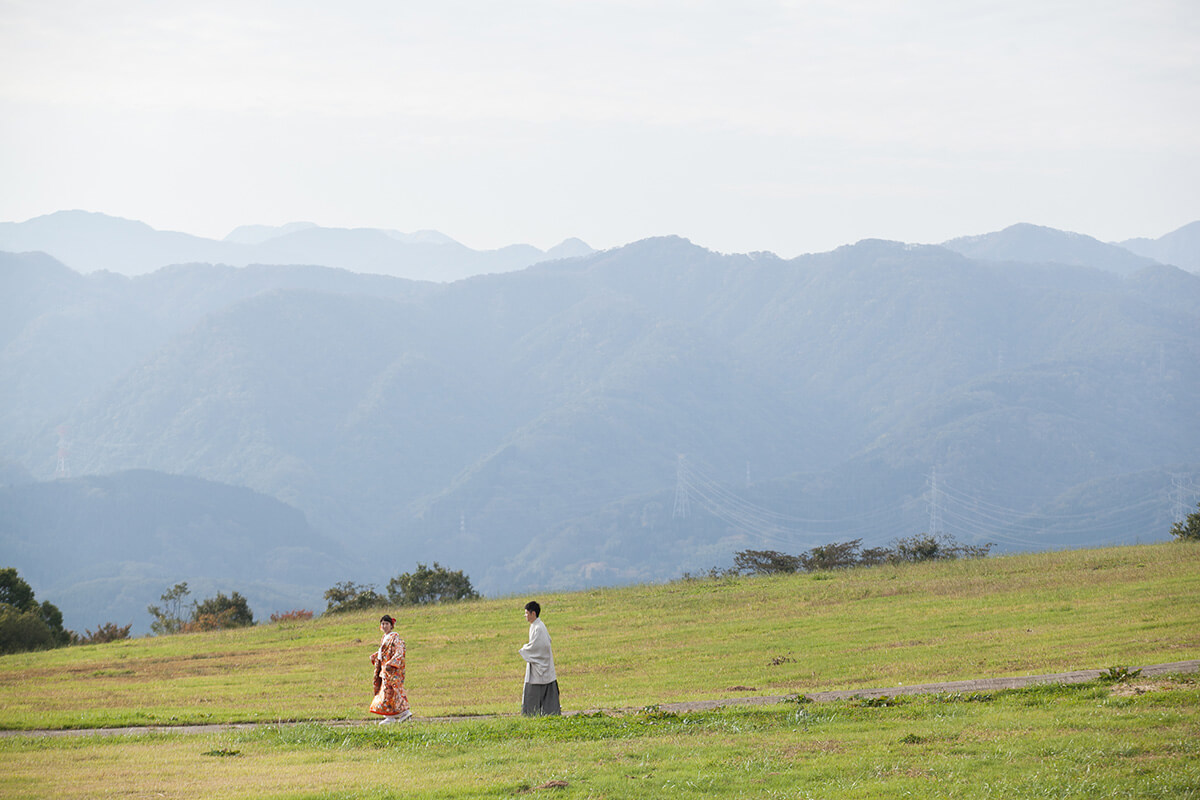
{"points": [[391, 701]]}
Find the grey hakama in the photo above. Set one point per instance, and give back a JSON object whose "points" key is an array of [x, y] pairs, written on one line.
{"points": [[541, 699]]}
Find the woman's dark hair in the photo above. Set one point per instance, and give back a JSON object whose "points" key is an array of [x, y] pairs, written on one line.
{"points": [[386, 618], [533, 606]]}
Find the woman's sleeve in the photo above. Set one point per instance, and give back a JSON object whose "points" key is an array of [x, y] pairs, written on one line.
{"points": [[397, 659]]}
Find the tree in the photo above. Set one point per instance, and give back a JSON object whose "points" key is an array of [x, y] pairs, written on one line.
{"points": [[919, 548], [425, 585], [1189, 528], [874, 556], [54, 621], [28, 624], [15, 591], [350, 596], [835, 555], [926, 547], [764, 562], [220, 612], [176, 615], [169, 617], [21, 631]]}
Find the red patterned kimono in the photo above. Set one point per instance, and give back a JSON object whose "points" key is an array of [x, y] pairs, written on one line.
{"points": [[391, 698]]}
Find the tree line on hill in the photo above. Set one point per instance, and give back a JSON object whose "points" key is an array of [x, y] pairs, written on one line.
{"points": [[26, 624], [843, 555], [905, 550], [423, 586]]}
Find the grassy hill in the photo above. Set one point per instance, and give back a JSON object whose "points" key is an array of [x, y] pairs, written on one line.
{"points": [[643, 645]]}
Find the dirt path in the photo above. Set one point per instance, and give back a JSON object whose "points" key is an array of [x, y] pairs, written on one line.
{"points": [[979, 685]]}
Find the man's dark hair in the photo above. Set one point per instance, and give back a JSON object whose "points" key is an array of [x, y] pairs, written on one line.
{"points": [[533, 606]]}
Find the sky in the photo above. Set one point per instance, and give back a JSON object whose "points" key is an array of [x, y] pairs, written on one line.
{"points": [[790, 126]]}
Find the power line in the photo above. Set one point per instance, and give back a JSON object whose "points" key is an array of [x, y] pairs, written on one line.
{"points": [[683, 505], [964, 514]]}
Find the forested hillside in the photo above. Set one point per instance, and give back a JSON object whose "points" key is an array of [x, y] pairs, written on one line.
{"points": [[627, 415], [104, 547]]}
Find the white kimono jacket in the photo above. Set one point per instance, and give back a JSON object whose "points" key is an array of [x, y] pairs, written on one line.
{"points": [[540, 658]]}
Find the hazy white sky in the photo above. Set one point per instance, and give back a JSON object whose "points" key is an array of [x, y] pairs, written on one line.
{"points": [[791, 126]]}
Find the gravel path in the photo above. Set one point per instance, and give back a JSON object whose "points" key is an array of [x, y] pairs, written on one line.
{"points": [[979, 685]]}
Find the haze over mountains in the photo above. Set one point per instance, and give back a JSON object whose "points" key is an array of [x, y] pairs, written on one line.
{"points": [[608, 417], [89, 242]]}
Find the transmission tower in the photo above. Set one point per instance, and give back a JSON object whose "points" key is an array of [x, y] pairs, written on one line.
{"points": [[63, 468], [935, 512], [1182, 489], [682, 502]]}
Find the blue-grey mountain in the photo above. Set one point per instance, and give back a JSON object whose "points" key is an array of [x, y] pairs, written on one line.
{"points": [[90, 242], [1180, 248], [624, 415]]}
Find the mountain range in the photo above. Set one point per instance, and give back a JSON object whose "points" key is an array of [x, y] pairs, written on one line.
{"points": [[613, 416], [91, 242]]}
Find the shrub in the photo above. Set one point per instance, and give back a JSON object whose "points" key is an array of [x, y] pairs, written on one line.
{"points": [[350, 596], [1188, 530], [214, 613], [426, 585], [765, 562], [919, 548], [837, 555], [21, 631], [221, 612], [108, 632], [841, 555], [168, 618], [873, 556], [291, 616], [936, 548]]}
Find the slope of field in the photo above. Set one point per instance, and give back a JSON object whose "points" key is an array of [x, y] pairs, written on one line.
{"points": [[1068, 742], [650, 644]]}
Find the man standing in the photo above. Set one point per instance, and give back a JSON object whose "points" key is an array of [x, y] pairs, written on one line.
{"points": [[541, 684]]}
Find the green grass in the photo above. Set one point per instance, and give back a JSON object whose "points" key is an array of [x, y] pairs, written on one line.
{"points": [[644, 646], [1078, 741], [641, 645]]}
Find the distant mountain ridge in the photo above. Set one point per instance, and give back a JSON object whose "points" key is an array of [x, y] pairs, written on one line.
{"points": [[1034, 244], [624, 415], [112, 543], [1180, 247], [89, 241]]}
